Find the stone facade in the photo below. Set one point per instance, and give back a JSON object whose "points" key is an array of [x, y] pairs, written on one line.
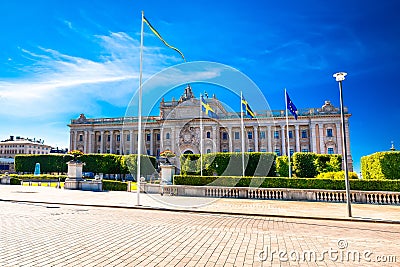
{"points": [[177, 128], [14, 146]]}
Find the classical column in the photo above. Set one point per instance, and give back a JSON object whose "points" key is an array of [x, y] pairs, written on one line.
{"points": [[75, 139], [173, 139], [313, 138], [122, 142], [131, 141], [297, 134], [214, 129], [161, 139], [151, 141], [269, 136], [102, 143], [338, 138], [71, 140], [111, 141], [230, 139], [255, 129], [90, 143], [321, 138], [283, 140]]}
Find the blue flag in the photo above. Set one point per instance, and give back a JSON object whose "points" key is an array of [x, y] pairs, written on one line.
{"points": [[247, 109], [290, 106], [207, 109]]}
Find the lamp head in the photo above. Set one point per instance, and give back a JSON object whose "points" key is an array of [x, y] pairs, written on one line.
{"points": [[340, 76]]}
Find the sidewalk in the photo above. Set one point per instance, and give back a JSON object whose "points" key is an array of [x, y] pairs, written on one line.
{"points": [[273, 208]]}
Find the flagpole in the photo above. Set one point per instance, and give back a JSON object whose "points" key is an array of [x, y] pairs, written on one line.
{"points": [[139, 153], [242, 126], [201, 137], [287, 135]]}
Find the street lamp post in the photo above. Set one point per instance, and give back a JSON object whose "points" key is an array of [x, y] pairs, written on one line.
{"points": [[340, 76]]}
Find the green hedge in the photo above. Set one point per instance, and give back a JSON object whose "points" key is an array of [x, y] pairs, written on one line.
{"points": [[282, 166], [381, 165], [229, 164], [26, 177], [96, 163], [337, 175], [275, 182], [110, 185], [309, 165]]}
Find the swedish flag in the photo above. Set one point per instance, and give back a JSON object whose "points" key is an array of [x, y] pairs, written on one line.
{"points": [[207, 109], [159, 36], [247, 109]]}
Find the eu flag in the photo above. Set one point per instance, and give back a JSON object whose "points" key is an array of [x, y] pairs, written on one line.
{"points": [[206, 108], [290, 106]]}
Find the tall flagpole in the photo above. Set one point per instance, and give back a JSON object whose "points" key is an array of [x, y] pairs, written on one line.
{"points": [[242, 134], [201, 137], [139, 153], [287, 135]]}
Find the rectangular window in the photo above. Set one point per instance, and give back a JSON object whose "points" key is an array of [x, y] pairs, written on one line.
{"points": [[225, 150], [80, 138], [250, 135], [108, 151], [148, 151], [118, 138], [128, 138], [276, 134], [98, 151], [237, 150], [108, 138], [99, 138], [329, 133], [208, 135], [291, 151], [262, 135], [208, 151], [224, 136], [158, 137], [128, 152], [290, 134], [278, 151], [117, 151], [237, 136], [330, 150], [250, 150], [305, 150], [303, 133], [148, 138], [167, 136], [263, 150]]}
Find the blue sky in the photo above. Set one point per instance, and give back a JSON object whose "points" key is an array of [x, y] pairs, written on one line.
{"points": [[62, 58]]}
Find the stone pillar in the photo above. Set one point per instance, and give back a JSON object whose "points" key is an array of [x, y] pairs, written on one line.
{"points": [[132, 137], [85, 142], [161, 139], [75, 139], [122, 142], [111, 141], [297, 134], [230, 139], [71, 140], [321, 138], [269, 136], [102, 142], [313, 138], [173, 139], [90, 142], [255, 130], [151, 141], [339, 138], [283, 139], [214, 129]]}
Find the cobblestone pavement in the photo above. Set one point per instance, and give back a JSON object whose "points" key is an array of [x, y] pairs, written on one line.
{"points": [[34, 234]]}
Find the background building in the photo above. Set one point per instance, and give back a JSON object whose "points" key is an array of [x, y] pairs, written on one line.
{"points": [[18, 145], [177, 128]]}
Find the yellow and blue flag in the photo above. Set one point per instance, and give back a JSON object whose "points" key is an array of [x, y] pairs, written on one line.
{"points": [[162, 39], [290, 106], [206, 108], [247, 109]]}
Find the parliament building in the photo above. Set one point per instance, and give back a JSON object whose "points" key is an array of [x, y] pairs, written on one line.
{"points": [[177, 128]]}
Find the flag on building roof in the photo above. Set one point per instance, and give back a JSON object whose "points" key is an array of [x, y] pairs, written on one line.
{"points": [[290, 106], [247, 109], [206, 108], [162, 39]]}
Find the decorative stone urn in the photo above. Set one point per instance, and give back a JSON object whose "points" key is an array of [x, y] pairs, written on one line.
{"points": [[74, 175]]}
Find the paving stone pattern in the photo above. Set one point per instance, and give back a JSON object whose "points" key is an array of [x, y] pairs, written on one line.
{"points": [[59, 235]]}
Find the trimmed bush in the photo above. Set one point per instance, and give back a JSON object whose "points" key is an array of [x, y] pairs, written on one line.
{"points": [[337, 175], [25, 177], [48, 163], [275, 182], [304, 165], [282, 166], [328, 163], [148, 164], [111, 185], [381, 165]]}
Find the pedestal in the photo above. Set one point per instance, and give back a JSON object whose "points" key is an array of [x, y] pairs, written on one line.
{"points": [[74, 175], [167, 172]]}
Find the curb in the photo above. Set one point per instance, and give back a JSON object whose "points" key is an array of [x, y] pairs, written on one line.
{"points": [[212, 212]]}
